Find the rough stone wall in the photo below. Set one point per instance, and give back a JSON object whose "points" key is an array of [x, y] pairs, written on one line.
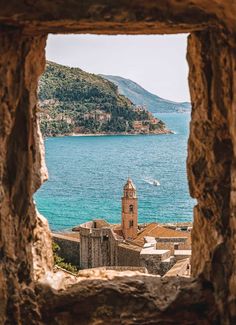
{"points": [[157, 263], [69, 249], [231, 237], [21, 62], [165, 266], [85, 249], [121, 16], [121, 299], [211, 167], [128, 256], [24, 238], [98, 247]]}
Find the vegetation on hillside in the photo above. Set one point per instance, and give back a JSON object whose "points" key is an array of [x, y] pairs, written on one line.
{"points": [[74, 101]]}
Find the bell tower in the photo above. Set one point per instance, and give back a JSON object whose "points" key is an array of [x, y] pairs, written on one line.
{"points": [[129, 211]]}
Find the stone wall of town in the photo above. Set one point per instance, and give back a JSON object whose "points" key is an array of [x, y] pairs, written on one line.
{"points": [[98, 247], [69, 248], [128, 255], [157, 263]]}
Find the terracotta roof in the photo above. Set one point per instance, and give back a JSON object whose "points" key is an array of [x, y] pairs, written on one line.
{"points": [[155, 230]]}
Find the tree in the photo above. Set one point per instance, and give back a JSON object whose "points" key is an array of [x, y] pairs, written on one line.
{"points": [[60, 261]]}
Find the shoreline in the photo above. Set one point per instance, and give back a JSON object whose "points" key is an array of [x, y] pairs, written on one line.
{"points": [[107, 134], [115, 134]]}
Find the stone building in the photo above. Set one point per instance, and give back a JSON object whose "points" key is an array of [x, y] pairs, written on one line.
{"points": [[98, 244], [129, 211], [99, 240], [153, 247]]}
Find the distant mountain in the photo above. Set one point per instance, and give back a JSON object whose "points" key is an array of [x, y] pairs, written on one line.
{"points": [[74, 101], [140, 96]]}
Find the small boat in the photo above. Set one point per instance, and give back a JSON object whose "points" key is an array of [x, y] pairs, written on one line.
{"points": [[155, 183]]}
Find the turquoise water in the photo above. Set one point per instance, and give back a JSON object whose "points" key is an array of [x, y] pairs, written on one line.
{"points": [[87, 174]]}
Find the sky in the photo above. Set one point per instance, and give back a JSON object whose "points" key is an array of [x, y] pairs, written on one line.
{"points": [[156, 62]]}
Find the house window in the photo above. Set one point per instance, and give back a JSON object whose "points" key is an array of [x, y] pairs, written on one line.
{"points": [[131, 208], [131, 223]]}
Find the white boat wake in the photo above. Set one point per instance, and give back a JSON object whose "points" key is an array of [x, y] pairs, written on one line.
{"points": [[153, 182]]}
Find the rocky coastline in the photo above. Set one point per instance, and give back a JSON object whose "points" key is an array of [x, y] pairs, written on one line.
{"points": [[99, 134]]}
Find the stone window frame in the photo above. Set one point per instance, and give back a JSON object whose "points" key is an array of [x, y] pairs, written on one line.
{"points": [[26, 291]]}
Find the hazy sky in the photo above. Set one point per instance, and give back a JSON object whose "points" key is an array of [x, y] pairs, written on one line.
{"points": [[158, 63]]}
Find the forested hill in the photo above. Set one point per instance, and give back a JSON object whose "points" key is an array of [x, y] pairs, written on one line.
{"points": [[140, 96], [74, 101]]}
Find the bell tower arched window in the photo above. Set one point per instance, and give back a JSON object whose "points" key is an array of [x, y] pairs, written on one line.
{"points": [[131, 223]]}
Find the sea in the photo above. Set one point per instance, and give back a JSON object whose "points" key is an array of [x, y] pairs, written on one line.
{"points": [[87, 175]]}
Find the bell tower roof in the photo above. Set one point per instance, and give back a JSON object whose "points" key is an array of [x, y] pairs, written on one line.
{"points": [[129, 189], [129, 185]]}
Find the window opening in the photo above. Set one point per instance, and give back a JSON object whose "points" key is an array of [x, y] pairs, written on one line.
{"points": [[78, 104], [131, 208]]}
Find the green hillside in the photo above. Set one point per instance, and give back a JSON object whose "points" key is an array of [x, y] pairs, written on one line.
{"points": [[74, 101], [140, 96]]}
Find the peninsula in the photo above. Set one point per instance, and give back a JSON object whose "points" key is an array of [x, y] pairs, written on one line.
{"points": [[74, 102], [140, 96]]}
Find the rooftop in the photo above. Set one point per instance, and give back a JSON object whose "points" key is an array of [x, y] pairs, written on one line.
{"points": [[155, 230]]}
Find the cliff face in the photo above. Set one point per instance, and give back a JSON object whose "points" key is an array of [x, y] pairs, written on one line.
{"points": [[140, 96], [74, 101]]}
